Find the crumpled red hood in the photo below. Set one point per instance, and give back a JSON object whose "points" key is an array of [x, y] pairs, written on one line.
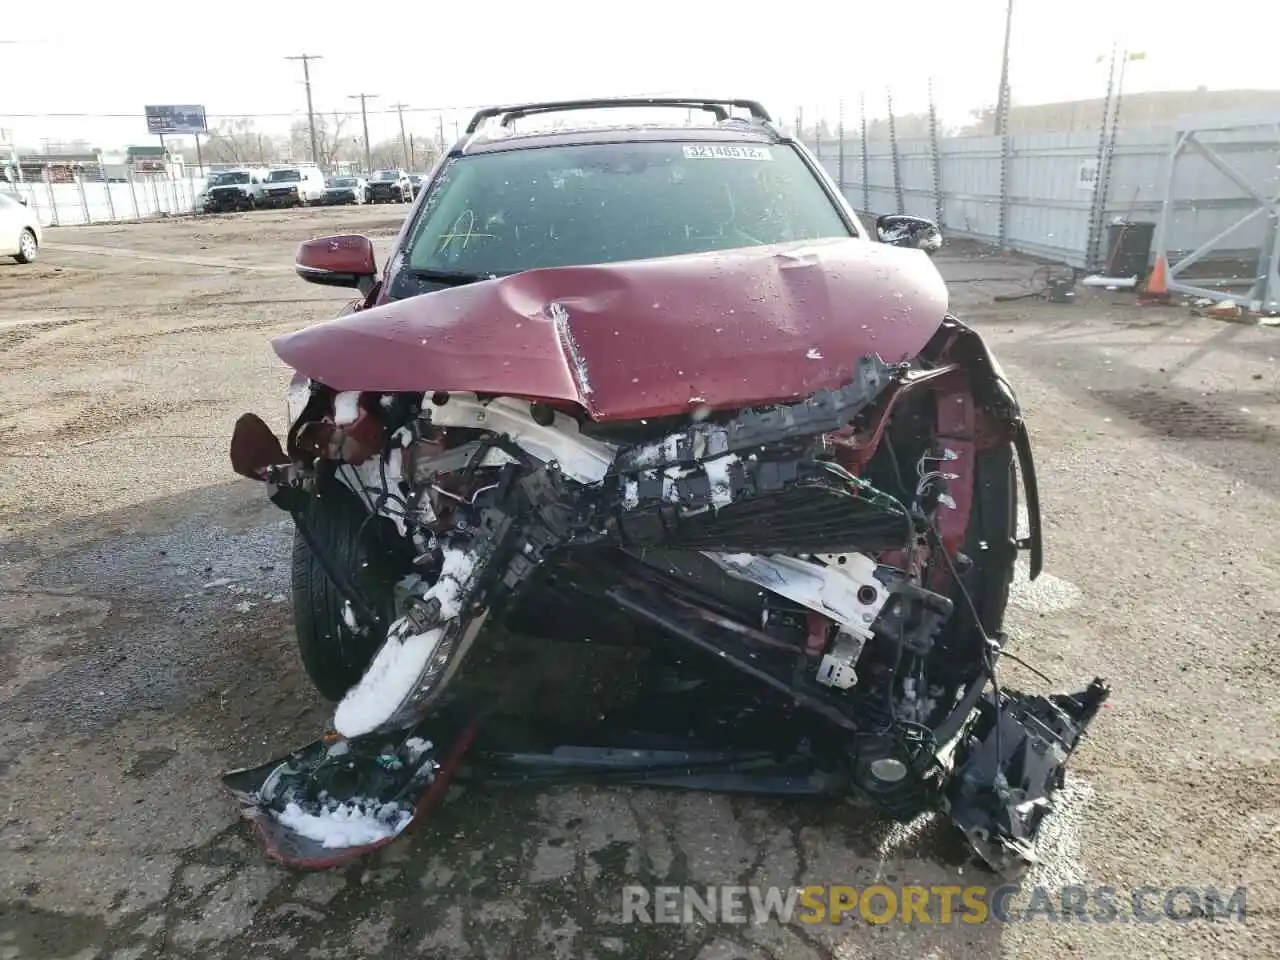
{"points": [[645, 338]]}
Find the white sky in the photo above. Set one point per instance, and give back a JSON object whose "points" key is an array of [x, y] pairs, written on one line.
{"points": [[111, 59]]}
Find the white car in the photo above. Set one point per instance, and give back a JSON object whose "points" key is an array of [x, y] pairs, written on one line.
{"points": [[19, 230]]}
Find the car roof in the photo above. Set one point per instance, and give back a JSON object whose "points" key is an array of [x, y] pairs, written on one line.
{"points": [[725, 131]]}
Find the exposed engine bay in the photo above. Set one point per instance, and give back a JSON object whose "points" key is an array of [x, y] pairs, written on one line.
{"points": [[846, 556]]}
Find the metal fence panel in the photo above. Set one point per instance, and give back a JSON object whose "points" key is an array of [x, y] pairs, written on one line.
{"points": [[1050, 189]]}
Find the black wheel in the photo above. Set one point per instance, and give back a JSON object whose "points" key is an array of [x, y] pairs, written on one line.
{"points": [[333, 656]]}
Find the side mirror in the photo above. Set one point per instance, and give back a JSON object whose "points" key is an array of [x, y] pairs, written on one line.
{"points": [[342, 261], [916, 233]]}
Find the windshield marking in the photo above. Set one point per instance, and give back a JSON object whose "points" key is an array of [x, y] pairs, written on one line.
{"points": [[725, 151], [453, 234]]}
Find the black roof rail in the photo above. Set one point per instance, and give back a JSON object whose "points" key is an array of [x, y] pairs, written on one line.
{"points": [[720, 108]]}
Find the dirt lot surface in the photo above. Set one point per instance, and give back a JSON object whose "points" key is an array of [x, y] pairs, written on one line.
{"points": [[145, 646]]}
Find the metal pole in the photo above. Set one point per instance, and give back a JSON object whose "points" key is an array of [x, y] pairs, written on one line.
{"points": [[893, 147], [866, 159], [404, 141], [1093, 242], [840, 140], [306, 59], [938, 202], [364, 119], [440, 119], [106, 185], [199, 158], [1002, 101]]}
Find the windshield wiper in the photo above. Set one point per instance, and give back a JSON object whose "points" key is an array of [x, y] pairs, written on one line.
{"points": [[453, 278]]}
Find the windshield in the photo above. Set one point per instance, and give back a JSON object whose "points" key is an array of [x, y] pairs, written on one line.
{"points": [[387, 175], [343, 182], [279, 176], [224, 179], [503, 213]]}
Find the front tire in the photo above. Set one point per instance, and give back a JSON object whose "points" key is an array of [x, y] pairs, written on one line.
{"points": [[28, 247], [333, 656]]}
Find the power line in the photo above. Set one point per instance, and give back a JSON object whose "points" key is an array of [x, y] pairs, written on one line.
{"points": [[306, 59], [364, 119]]}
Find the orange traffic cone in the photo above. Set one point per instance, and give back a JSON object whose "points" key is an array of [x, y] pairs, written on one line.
{"points": [[1157, 286]]}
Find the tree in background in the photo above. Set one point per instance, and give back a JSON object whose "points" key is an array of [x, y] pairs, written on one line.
{"points": [[390, 154], [333, 142], [238, 142]]}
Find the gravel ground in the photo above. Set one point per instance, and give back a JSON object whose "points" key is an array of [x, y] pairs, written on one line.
{"points": [[145, 646]]}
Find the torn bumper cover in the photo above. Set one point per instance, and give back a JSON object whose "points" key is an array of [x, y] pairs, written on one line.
{"points": [[1011, 762], [999, 792]]}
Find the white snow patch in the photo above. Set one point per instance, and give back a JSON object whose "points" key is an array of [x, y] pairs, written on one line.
{"points": [[631, 494], [346, 825], [416, 747], [718, 476], [401, 661], [1045, 594], [387, 683], [349, 617], [346, 407], [220, 582], [813, 354], [244, 606]]}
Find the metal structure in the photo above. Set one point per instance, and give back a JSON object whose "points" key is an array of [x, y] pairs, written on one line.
{"points": [[897, 162], [866, 160], [509, 113], [1264, 288], [840, 143], [1098, 201], [1002, 101], [935, 149]]}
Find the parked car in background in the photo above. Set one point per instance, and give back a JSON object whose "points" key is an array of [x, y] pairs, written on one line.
{"points": [[294, 186], [346, 190], [233, 190], [415, 181], [19, 229], [390, 186]]}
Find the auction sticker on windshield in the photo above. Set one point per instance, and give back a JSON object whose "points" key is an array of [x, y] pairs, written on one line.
{"points": [[726, 151]]}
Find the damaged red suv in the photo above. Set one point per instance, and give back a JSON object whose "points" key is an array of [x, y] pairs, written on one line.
{"points": [[655, 385]]}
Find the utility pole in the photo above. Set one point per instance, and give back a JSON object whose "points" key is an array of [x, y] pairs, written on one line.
{"points": [[306, 59], [404, 141], [364, 119], [1002, 102]]}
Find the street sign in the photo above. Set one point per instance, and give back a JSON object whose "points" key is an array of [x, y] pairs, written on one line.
{"points": [[179, 118]]}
